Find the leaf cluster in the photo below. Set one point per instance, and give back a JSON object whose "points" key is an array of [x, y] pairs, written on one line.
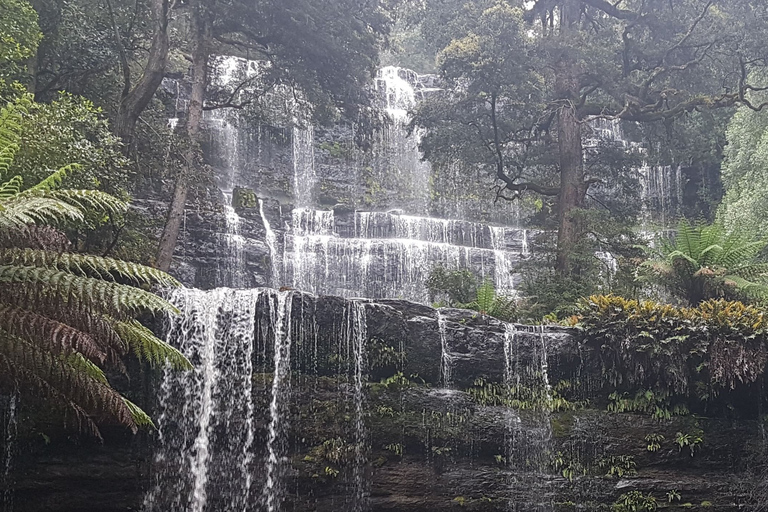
{"points": [[668, 350]]}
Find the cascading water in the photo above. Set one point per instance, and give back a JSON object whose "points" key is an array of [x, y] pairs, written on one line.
{"points": [[445, 355], [205, 418], [357, 337], [404, 158], [529, 431], [389, 254], [233, 273], [207, 456], [271, 240], [303, 165], [281, 320]]}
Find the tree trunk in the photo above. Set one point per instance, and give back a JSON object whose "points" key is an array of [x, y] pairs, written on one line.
{"points": [[192, 156], [571, 153], [134, 103]]}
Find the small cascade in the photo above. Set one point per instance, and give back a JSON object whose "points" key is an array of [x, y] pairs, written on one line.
{"points": [[280, 316], [397, 87], [529, 431], [225, 429], [271, 239], [525, 250], [357, 337], [233, 273], [303, 165], [390, 254], [445, 356], [9, 436], [662, 195], [205, 417], [503, 263]]}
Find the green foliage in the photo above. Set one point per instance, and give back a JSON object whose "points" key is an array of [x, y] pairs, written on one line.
{"points": [[19, 37], [617, 466], [654, 442], [244, 198], [457, 286], [657, 405], [705, 262], [489, 303], [521, 397], [689, 440], [666, 350], [71, 129], [64, 316], [635, 501], [743, 172]]}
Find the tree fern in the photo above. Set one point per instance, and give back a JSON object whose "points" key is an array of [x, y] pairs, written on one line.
{"points": [[705, 262], [83, 292], [65, 317], [87, 265]]}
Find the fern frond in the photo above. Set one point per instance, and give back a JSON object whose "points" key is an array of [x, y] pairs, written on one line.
{"points": [[11, 187], [741, 253], [486, 296], [146, 346], [22, 210], [747, 287], [7, 154], [86, 367], [82, 199], [115, 299], [73, 377], [53, 181], [141, 418], [87, 265], [34, 237], [50, 334]]}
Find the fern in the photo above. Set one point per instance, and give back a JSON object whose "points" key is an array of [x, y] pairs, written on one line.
{"points": [[53, 181], [85, 292], [65, 318], [87, 265], [146, 346], [704, 262]]}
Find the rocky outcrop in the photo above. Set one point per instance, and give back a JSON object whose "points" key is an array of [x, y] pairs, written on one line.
{"points": [[548, 446]]}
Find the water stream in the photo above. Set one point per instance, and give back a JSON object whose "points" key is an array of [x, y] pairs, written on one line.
{"points": [[205, 417]]}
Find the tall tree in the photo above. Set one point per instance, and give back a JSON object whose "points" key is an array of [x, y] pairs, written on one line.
{"points": [[526, 78], [325, 51]]}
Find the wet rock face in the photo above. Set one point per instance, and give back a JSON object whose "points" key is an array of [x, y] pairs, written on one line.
{"points": [[426, 448]]}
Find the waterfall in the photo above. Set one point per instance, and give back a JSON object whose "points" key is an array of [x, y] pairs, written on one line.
{"points": [[9, 431], [529, 430], [357, 335], [281, 320], [390, 254], [206, 456], [503, 263], [303, 165], [445, 356], [271, 239], [205, 416], [525, 250], [396, 85], [233, 273]]}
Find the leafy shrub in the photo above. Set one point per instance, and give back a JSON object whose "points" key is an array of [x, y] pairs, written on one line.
{"points": [[664, 349]]}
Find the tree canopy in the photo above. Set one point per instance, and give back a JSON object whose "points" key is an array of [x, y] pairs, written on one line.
{"points": [[527, 83]]}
